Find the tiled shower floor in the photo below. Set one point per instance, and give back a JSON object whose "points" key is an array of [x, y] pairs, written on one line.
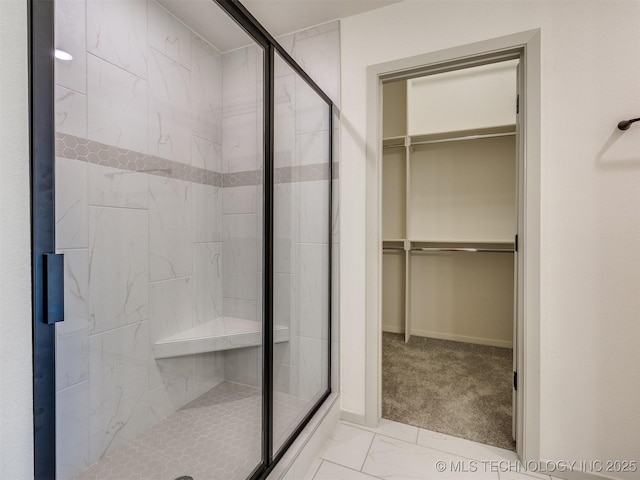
{"points": [[215, 437]]}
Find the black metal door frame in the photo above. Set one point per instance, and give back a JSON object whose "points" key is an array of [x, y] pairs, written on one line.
{"points": [[42, 156], [41, 17]]}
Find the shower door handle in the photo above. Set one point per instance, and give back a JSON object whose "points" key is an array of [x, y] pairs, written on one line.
{"points": [[54, 287]]}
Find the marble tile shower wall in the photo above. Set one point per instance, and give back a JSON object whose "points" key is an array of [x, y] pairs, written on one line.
{"points": [[143, 250]]}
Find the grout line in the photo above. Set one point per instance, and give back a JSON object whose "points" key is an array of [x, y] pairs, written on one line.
{"points": [[359, 427], [59, 85], [71, 249], [166, 280], [207, 140], [238, 214], [368, 450], [457, 454], [85, 52], [138, 323], [145, 209], [355, 425], [313, 132], [242, 299], [349, 468], [249, 111], [68, 387], [165, 55], [111, 207], [317, 468], [95, 55], [424, 446], [191, 31], [322, 340], [337, 20]]}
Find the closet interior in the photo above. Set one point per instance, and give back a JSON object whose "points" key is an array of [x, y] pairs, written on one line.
{"points": [[449, 205]]}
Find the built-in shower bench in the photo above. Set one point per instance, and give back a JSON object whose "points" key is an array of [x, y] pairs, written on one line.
{"points": [[223, 333]]}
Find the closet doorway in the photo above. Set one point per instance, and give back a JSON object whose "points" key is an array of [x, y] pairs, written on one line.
{"points": [[449, 217]]}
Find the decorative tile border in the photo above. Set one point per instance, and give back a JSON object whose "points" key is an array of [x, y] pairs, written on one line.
{"points": [[302, 173], [78, 148], [69, 146], [242, 179]]}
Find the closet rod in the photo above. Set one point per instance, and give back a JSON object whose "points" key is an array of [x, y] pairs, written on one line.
{"points": [[454, 139], [467, 137], [391, 249], [472, 250]]}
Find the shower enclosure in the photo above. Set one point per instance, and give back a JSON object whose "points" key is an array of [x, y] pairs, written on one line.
{"points": [[182, 244]]}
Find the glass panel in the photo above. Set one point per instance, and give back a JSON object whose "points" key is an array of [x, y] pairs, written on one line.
{"points": [[301, 256], [158, 119]]}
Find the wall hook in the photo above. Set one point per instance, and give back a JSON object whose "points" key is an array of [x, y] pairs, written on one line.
{"points": [[625, 124]]}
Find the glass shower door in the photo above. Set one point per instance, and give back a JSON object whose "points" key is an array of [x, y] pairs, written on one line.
{"points": [[159, 159], [301, 250]]}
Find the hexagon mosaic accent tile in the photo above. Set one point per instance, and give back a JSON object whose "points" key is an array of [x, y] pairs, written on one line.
{"points": [[85, 150], [77, 148]]}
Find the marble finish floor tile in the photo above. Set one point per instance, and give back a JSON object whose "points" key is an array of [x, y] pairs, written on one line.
{"points": [[332, 471], [394, 459], [463, 447], [389, 428], [214, 437], [524, 476], [425, 455], [348, 446]]}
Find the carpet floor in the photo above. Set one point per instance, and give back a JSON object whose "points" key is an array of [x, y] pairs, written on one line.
{"points": [[460, 389]]}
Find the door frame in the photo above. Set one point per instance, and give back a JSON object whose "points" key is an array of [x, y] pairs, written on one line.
{"points": [[526, 46]]}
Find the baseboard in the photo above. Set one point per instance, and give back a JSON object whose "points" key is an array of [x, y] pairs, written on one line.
{"points": [[392, 329], [462, 338], [353, 417]]}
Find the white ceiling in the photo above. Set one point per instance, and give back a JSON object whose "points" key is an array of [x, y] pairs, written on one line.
{"points": [[286, 16], [277, 16]]}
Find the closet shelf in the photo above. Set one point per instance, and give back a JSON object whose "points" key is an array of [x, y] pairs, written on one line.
{"points": [[450, 243], [461, 249], [223, 333], [433, 246], [464, 247], [466, 242], [454, 135]]}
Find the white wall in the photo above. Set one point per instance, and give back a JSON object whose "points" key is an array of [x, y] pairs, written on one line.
{"points": [[590, 271], [16, 425]]}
